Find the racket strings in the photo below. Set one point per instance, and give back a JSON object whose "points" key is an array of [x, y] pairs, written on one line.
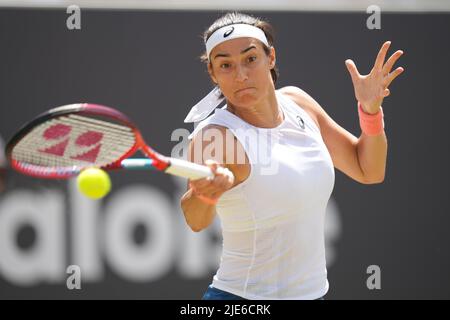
{"points": [[73, 142]]}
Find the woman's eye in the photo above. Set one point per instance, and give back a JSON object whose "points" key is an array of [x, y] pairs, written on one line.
{"points": [[252, 58], [225, 65]]}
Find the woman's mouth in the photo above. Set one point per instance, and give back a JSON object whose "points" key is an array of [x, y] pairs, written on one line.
{"points": [[244, 89]]}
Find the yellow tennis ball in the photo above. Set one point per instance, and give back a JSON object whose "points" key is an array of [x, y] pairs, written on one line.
{"points": [[94, 183]]}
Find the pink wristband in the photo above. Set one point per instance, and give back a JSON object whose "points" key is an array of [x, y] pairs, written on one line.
{"points": [[371, 124]]}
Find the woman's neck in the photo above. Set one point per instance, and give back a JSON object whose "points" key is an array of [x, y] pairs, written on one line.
{"points": [[264, 114]]}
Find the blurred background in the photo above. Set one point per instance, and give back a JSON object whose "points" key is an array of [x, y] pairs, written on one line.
{"points": [[142, 58]]}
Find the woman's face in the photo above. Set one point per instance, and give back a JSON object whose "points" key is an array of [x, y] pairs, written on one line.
{"points": [[241, 68]]}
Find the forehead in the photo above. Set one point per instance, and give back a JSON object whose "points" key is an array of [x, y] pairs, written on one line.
{"points": [[235, 46]]}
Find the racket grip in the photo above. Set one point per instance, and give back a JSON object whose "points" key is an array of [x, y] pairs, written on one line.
{"points": [[188, 169], [137, 164]]}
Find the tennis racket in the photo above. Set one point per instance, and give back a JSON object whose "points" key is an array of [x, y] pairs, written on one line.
{"points": [[63, 141]]}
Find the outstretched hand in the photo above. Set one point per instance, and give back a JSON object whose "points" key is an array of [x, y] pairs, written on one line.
{"points": [[371, 89]]}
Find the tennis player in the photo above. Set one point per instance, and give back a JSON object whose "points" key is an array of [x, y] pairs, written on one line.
{"points": [[273, 223]]}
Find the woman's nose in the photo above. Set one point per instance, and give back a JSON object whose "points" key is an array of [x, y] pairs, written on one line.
{"points": [[241, 74]]}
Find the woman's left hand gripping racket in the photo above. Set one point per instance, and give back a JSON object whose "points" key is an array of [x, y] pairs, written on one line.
{"points": [[65, 140]]}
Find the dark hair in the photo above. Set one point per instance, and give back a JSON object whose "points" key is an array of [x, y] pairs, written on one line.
{"points": [[237, 17]]}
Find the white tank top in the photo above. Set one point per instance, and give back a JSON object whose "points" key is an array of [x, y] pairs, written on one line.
{"points": [[273, 222]]}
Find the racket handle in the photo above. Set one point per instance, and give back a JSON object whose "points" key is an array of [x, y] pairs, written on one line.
{"points": [[176, 167], [188, 169], [137, 164]]}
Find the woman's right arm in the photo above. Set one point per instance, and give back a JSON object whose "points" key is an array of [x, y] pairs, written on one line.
{"points": [[198, 213]]}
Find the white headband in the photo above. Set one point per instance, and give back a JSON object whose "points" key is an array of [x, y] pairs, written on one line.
{"points": [[203, 108]]}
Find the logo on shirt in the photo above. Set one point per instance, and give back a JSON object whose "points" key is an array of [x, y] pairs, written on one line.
{"points": [[228, 32], [301, 123]]}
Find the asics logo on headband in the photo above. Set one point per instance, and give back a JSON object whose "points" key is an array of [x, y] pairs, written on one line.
{"points": [[240, 30], [228, 32]]}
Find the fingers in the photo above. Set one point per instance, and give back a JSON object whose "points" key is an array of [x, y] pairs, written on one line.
{"points": [[211, 188], [212, 164], [393, 75], [351, 67], [223, 180], [381, 55], [217, 186], [226, 173], [199, 183], [391, 61]]}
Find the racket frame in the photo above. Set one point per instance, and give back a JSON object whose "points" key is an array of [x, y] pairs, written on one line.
{"points": [[157, 161]]}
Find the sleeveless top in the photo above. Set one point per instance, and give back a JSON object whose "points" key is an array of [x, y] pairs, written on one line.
{"points": [[273, 222]]}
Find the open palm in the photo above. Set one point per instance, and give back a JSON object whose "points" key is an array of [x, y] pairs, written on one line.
{"points": [[371, 89]]}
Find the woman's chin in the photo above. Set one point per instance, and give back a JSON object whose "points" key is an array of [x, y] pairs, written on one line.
{"points": [[246, 96]]}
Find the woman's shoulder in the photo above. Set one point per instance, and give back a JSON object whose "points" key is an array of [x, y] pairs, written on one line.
{"points": [[218, 143], [215, 137], [299, 96]]}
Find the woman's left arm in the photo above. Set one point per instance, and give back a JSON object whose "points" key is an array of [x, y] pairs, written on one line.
{"points": [[363, 159], [370, 90]]}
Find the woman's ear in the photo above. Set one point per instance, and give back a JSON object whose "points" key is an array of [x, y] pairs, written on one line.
{"points": [[211, 73], [272, 58]]}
